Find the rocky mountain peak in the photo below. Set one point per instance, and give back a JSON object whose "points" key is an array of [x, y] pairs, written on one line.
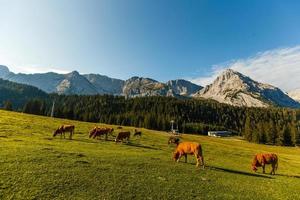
{"points": [[73, 74], [234, 88], [3, 71], [295, 94]]}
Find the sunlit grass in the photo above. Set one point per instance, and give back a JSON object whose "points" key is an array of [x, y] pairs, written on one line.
{"points": [[33, 165]]}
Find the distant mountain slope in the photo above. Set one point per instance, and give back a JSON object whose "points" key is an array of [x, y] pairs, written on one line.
{"points": [[105, 84], [183, 87], [46, 82], [140, 87], [71, 83], [18, 94], [234, 88], [74, 83]]}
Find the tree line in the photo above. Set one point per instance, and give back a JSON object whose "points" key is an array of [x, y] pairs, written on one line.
{"points": [[276, 126]]}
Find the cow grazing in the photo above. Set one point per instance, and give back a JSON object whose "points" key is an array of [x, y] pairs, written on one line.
{"points": [[192, 148], [125, 135], [99, 131], [261, 160], [92, 132], [174, 140], [63, 129], [119, 127], [137, 133]]}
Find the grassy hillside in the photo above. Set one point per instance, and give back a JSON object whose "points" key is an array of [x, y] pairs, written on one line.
{"points": [[33, 165]]}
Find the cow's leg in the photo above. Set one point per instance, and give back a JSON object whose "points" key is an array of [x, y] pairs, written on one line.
{"points": [[202, 161], [273, 169], [197, 159], [185, 157], [179, 157], [106, 136], [264, 168]]}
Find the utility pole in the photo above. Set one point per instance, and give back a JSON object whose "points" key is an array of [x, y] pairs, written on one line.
{"points": [[172, 125], [52, 110]]}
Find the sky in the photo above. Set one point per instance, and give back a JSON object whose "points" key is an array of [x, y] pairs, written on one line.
{"points": [[161, 39]]}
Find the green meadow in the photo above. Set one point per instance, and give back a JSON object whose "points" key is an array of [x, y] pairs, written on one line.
{"points": [[34, 165]]}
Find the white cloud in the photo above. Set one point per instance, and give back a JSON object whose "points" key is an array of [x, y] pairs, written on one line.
{"points": [[278, 67]]}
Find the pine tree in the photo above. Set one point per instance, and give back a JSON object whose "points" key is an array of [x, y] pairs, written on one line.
{"points": [[8, 105]]}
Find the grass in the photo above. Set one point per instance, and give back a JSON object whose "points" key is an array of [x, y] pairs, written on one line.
{"points": [[33, 165]]}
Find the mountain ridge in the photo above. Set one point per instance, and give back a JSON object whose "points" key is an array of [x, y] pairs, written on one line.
{"points": [[90, 84], [236, 89]]}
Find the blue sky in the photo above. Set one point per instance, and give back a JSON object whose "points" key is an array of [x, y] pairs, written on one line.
{"points": [[161, 39]]}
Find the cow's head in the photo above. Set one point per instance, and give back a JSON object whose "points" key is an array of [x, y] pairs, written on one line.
{"points": [[254, 168], [92, 132], [175, 156], [173, 140], [255, 164], [57, 131]]}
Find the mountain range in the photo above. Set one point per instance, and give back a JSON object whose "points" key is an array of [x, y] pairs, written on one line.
{"points": [[230, 87], [90, 84]]}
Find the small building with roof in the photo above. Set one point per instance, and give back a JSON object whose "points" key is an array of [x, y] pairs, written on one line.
{"points": [[219, 133]]}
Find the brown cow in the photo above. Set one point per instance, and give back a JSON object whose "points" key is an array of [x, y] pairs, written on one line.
{"points": [[98, 131], [123, 135], [261, 160], [137, 133], [174, 140], [192, 148], [64, 128]]}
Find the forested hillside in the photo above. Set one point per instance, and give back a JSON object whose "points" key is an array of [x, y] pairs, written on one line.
{"points": [[14, 95], [275, 126]]}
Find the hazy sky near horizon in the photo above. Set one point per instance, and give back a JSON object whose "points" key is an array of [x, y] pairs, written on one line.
{"points": [[161, 39]]}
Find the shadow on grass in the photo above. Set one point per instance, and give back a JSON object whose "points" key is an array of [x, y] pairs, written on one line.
{"points": [[91, 141], [141, 146], [238, 172], [289, 176]]}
